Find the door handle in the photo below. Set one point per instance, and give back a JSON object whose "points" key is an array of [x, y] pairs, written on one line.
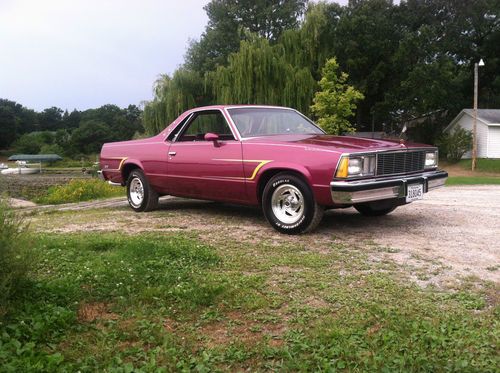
{"points": [[172, 153]]}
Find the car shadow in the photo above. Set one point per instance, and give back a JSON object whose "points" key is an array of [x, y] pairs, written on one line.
{"points": [[213, 207], [335, 220]]}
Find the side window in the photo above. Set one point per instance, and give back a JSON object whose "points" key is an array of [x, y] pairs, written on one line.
{"points": [[204, 122]]}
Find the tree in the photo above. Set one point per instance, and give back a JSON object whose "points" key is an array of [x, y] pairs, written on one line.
{"points": [[260, 74], [89, 137], [123, 123], [15, 120], [336, 101], [72, 120], [172, 96], [33, 142], [364, 42], [50, 119], [229, 22]]}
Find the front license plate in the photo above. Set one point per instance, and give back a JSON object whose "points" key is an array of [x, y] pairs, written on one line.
{"points": [[415, 192]]}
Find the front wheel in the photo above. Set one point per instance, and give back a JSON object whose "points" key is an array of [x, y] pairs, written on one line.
{"points": [[289, 206], [140, 195]]}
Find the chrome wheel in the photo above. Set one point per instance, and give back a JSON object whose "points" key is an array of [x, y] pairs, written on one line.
{"points": [[136, 192], [287, 204]]}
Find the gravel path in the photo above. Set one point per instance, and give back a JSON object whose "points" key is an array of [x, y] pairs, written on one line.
{"points": [[454, 229]]}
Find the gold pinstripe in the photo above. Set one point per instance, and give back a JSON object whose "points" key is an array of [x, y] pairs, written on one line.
{"points": [[256, 169], [123, 159]]}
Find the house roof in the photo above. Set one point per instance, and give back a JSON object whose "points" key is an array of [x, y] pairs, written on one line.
{"points": [[490, 117]]}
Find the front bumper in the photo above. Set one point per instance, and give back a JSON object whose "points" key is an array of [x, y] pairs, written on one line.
{"points": [[358, 191]]}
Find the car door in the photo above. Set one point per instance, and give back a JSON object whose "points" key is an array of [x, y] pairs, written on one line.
{"points": [[206, 169]]}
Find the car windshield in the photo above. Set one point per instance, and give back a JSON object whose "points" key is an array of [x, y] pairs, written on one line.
{"points": [[271, 121]]}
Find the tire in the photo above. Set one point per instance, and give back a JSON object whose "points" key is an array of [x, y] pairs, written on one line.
{"points": [[378, 208], [140, 195], [289, 205]]}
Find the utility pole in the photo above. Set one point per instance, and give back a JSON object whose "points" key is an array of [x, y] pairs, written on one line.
{"points": [[474, 126]]}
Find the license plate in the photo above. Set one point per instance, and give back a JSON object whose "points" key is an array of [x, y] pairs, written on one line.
{"points": [[415, 192]]}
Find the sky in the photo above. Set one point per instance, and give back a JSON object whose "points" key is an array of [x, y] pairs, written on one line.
{"points": [[82, 54]]}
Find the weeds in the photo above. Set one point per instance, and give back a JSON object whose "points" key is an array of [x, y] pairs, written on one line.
{"points": [[15, 254], [79, 190]]}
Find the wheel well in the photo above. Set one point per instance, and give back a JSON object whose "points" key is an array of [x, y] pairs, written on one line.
{"points": [[267, 175], [127, 169]]}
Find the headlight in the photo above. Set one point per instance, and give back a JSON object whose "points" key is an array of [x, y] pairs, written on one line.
{"points": [[431, 159], [356, 166]]}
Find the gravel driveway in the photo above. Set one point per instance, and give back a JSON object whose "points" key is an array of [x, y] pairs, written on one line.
{"points": [[455, 229]]}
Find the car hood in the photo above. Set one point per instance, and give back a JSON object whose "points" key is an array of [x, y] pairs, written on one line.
{"points": [[342, 144]]}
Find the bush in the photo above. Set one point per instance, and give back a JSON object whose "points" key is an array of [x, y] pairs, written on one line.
{"points": [[455, 144], [79, 190], [15, 253]]}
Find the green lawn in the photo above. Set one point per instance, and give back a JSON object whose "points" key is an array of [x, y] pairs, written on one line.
{"points": [[483, 165], [117, 303], [472, 180]]}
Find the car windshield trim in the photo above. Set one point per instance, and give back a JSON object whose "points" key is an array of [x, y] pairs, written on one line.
{"points": [[232, 109]]}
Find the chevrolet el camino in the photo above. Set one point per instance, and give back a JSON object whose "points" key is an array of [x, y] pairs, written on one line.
{"points": [[273, 157]]}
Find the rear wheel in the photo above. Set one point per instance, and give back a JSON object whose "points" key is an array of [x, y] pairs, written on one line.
{"points": [[140, 195], [289, 206], [377, 208]]}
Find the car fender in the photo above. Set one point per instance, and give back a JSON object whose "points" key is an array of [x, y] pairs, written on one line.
{"points": [[128, 164], [285, 166]]}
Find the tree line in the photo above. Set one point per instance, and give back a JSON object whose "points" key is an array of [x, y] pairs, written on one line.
{"points": [[409, 60], [65, 133]]}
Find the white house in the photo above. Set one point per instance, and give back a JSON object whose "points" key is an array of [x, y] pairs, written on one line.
{"points": [[488, 130]]}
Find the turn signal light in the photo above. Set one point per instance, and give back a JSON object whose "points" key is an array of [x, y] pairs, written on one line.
{"points": [[343, 168]]}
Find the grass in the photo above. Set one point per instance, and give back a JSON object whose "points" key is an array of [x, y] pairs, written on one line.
{"points": [[483, 165], [78, 190], [169, 302], [472, 180]]}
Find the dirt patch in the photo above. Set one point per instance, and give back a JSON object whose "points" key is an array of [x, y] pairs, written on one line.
{"points": [[236, 328], [90, 312], [20, 203]]}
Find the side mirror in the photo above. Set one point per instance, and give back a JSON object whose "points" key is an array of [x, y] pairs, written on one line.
{"points": [[212, 137]]}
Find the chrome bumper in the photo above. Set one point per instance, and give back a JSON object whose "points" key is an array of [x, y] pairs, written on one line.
{"points": [[357, 191]]}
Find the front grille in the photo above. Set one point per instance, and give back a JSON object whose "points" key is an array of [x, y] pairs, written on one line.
{"points": [[400, 162]]}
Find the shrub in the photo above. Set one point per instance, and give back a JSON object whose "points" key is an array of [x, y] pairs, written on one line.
{"points": [[455, 144], [336, 102], [15, 252], [78, 190]]}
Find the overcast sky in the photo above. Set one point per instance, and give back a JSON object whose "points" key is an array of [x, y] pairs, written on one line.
{"points": [[86, 53]]}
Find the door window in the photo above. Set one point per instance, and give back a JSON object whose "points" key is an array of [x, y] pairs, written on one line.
{"points": [[205, 122]]}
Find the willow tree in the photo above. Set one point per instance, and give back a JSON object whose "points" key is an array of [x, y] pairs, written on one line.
{"points": [[259, 73], [172, 96], [335, 103], [310, 45]]}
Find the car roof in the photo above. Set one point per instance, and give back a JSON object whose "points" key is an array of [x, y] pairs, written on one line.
{"points": [[233, 106]]}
